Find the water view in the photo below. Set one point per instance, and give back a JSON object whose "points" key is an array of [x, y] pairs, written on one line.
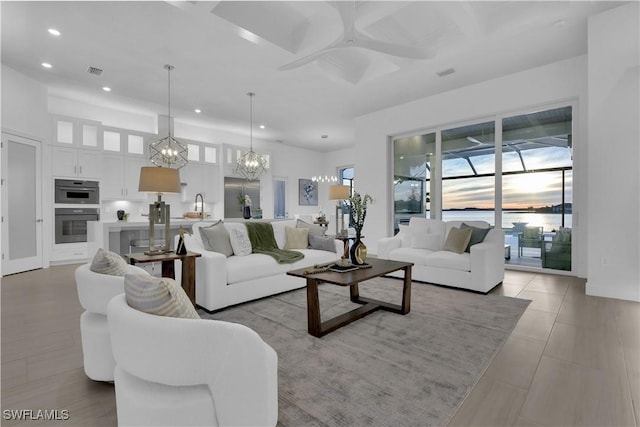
{"points": [[549, 221]]}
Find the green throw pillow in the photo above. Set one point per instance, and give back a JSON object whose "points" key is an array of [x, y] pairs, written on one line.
{"points": [[107, 262], [477, 235], [457, 240], [161, 296]]}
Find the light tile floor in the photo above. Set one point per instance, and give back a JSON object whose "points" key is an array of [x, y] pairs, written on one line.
{"points": [[572, 360]]}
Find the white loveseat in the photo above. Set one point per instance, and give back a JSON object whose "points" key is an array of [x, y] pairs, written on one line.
{"points": [[223, 281], [422, 243]]}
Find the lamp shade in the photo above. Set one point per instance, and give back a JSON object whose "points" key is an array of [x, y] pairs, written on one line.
{"points": [[339, 192], [155, 179]]}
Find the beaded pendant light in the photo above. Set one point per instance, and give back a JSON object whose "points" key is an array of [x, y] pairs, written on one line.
{"points": [[251, 165], [168, 151]]}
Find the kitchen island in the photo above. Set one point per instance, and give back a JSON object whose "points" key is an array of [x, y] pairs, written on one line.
{"points": [[117, 236]]}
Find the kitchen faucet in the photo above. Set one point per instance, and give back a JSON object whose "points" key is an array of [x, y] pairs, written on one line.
{"points": [[201, 205]]}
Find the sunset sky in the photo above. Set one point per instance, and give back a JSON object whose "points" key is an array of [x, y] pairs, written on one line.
{"points": [[520, 190]]}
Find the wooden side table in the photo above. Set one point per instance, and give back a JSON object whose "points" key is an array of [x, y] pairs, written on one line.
{"points": [[168, 268]]}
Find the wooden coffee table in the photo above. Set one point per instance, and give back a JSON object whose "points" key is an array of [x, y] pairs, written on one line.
{"points": [[379, 267]]}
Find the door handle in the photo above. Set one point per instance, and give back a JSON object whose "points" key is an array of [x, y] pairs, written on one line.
{"points": [[39, 220]]}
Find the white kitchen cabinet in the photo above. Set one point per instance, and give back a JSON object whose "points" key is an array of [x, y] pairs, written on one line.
{"points": [[200, 178], [75, 163], [80, 133], [121, 176]]}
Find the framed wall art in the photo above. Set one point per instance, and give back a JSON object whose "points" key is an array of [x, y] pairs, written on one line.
{"points": [[307, 193]]}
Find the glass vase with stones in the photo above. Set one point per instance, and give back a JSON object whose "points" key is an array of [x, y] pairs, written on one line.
{"points": [[358, 251]]}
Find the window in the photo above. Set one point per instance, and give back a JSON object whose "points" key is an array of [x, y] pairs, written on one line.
{"points": [[412, 185], [468, 179]]}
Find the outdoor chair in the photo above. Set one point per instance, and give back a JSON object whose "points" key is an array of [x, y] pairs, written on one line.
{"points": [[531, 237], [556, 254]]}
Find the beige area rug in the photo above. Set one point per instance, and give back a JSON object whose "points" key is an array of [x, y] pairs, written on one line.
{"points": [[384, 369]]}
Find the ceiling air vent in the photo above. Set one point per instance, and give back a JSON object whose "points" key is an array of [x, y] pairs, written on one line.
{"points": [[445, 72], [94, 70]]}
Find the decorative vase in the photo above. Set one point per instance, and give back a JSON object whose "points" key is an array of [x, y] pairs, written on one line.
{"points": [[246, 212], [181, 249], [358, 251]]}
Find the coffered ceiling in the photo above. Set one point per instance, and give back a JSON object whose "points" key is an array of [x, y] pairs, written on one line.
{"points": [[222, 50]]}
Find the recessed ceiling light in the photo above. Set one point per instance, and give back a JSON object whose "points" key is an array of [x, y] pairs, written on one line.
{"points": [[46, 65], [249, 36], [106, 89], [197, 110], [261, 126], [54, 32], [446, 72]]}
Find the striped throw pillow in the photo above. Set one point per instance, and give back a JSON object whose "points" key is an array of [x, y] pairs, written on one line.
{"points": [[161, 296], [106, 262]]}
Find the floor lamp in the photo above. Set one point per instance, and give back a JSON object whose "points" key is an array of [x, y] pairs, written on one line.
{"points": [[339, 192], [157, 179]]}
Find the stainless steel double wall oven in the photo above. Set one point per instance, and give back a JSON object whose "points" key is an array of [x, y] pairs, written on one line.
{"points": [[71, 221]]}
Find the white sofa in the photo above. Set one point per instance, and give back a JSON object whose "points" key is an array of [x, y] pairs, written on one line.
{"points": [[190, 372], [224, 281], [479, 270]]}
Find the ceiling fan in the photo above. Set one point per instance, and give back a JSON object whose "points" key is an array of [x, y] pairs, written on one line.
{"points": [[351, 37]]}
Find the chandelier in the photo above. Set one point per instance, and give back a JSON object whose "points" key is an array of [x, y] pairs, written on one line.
{"points": [[251, 165], [325, 178], [168, 151]]}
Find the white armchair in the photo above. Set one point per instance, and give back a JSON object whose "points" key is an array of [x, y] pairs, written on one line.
{"points": [[178, 372], [94, 292]]}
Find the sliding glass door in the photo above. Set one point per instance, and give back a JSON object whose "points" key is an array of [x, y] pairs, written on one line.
{"points": [[514, 172], [537, 188]]}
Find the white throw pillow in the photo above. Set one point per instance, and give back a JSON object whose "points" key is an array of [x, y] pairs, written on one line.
{"points": [[405, 236], [161, 296], [432, 242], [240, 242], [107, 262]]}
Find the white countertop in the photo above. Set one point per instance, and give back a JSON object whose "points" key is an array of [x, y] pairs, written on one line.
{"points": [[141, 223]]}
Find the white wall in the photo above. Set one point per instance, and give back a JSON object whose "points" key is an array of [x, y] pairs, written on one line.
{"points": [[614, 154], [557, 82], [24, 105]]}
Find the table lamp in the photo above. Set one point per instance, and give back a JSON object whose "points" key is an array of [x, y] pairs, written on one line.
{"points": [[157, 179], [339, 192]]}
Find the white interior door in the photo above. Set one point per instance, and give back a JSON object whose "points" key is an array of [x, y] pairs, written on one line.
{"points": [[21, 204]]}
